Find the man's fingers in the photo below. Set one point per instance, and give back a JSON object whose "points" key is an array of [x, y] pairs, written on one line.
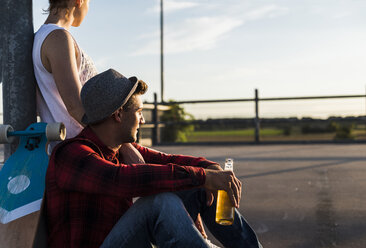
{"points": [[199, 225], [235, 186], [231, 194], [236, 191], [225, 180], [238, 185]]}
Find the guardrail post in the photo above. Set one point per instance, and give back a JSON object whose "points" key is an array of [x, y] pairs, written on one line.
{"points": [[256, 119], [155, 121]]}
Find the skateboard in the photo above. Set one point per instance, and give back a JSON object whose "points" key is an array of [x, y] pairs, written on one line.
{"points": [[22, 178]]}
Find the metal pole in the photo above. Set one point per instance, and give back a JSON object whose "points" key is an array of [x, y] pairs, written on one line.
{"points": [[256, 120], [19, 90], [155, 121], [161, 51]]}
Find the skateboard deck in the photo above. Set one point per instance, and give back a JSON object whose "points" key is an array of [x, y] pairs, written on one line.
{"points": [[22, 178]]}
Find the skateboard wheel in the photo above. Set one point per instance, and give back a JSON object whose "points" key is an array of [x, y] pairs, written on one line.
{"points": [[4, 138], [55, 131]]}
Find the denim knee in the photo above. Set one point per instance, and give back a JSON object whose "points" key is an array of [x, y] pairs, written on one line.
{"points": [[166, 200]]}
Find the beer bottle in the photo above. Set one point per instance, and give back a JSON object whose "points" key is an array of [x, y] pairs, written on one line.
{"points": [[224, 207]]}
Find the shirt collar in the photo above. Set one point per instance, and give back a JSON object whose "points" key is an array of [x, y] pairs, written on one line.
{"points": [[89, 134]]}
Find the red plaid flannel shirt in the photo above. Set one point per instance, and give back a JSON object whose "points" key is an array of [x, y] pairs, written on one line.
{"points": [[88, 189]]}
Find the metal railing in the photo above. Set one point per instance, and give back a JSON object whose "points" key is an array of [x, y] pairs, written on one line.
{"points": [[156, 124]]}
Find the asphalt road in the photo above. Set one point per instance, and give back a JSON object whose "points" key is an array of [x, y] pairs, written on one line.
{"points": [[295, 196], [298, 196]]}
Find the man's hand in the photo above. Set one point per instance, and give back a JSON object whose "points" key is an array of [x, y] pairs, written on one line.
{"points": [[199, 225], [210, 195], [224, 180], [214, 167]]}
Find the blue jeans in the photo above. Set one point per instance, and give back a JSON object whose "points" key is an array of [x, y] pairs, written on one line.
{"points": [[166, 220]]}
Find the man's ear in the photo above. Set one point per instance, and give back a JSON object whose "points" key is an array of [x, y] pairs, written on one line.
{"points": [[118, 115]]}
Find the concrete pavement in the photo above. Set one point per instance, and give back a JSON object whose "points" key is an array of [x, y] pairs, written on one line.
{"points": [[299, 196], [295, 196]]}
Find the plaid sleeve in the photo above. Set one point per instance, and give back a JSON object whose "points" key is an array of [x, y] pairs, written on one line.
{"points": [[156, 157], [80, 168]]}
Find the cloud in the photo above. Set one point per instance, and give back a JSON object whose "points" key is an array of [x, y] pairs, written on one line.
{"points": [[201, 33], [204, 33], [172, 5], [268, 11], [338, 11], [342, 15]]}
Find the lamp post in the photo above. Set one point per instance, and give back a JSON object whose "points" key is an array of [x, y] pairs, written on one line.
{"points": [[161, 51]]}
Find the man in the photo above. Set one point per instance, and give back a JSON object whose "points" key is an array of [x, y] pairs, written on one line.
{"points": [[92, 178]]}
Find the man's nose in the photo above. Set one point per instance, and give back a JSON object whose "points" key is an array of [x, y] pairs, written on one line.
{"points": [[142, 120]]}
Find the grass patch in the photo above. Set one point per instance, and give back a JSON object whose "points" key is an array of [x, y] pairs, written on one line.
{"points": [[231, 135], [242, 132], [266, 134]]}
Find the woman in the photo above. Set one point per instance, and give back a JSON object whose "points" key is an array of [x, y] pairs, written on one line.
{"points": [[60, 66]]}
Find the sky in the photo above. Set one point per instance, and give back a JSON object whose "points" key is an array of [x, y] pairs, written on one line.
{"points": [[217, 49]]}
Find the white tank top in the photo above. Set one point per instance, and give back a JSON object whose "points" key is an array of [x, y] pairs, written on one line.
{"points": [[50, 106]]}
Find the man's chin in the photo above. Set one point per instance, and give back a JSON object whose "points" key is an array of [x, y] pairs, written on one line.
{"points": [[133, 139], [129, 139]]}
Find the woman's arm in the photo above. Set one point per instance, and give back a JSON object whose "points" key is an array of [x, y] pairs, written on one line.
{"points": [[58, 55]]}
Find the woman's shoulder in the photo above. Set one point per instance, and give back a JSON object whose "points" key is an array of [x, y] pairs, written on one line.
{"points": [[60, 35], [58, 39]]}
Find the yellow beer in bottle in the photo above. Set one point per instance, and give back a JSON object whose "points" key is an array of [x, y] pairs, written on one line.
{"points": [[224, 207]]}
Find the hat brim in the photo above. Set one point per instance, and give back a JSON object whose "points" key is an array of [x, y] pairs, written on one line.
{"points": [[135, 83]]}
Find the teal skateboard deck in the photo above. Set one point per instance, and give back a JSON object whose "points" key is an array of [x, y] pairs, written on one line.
{"points": [[22, 178]]}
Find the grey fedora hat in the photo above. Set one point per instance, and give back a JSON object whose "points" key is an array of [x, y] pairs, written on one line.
{"points": [[105, 93]]}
